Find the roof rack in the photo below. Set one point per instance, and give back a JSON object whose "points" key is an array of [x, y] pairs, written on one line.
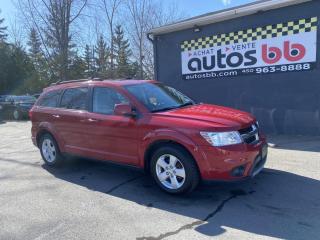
{"points": [[78, 80]]}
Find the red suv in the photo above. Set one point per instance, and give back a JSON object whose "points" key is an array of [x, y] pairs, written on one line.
{"points": [[150, 126]]}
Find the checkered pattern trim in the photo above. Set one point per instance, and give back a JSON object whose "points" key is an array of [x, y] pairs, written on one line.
{"points": [[249, 35]]}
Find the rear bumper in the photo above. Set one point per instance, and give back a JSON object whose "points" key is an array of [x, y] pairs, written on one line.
{"points": [[34, 141], [34, 132], [232, 163]]}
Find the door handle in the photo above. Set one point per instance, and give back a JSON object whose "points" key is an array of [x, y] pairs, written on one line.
{"points": [[56, 116], [91, 120]]}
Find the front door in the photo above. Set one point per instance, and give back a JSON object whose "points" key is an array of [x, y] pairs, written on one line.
{"points": [[112, 137]]}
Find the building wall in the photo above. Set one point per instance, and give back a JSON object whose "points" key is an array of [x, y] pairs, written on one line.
{"points": [[283, 102]]}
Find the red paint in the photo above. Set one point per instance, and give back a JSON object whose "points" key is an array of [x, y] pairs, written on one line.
{"points": [[125, 139], [301, 51], [271, 50], [276, 53]]}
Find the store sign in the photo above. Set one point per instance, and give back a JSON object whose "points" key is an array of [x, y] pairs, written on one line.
{"points": [[284, 47]]}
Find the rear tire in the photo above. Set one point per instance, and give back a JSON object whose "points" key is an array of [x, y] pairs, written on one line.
{"points": [[16, 114], [174, 170], [50, 151]]}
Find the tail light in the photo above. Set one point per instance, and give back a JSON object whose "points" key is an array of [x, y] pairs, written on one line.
{"points": [[30, 114]]}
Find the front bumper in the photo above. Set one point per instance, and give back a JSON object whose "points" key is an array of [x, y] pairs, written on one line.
{"points": [[232, 163]]}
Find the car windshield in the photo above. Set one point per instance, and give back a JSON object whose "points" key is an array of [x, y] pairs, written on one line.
{"points": [[29, 99], [158, 97]]}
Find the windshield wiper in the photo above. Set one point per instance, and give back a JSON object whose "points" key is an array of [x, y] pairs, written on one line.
{"points": [[186, 104], [174, 107], [164, 109]]}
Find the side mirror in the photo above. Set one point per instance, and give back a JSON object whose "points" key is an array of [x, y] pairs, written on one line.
{"points": [[124, 109]]}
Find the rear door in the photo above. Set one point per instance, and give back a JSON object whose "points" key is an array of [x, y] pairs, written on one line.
{"points": [[44, 112], [71, 120], [112, 137]]}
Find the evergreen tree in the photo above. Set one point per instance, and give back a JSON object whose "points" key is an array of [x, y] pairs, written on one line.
{"points": [[17, 74], [37, 58], [77, 67], [3, 35], [34, 44], [102, 55], [88, 58], [122, 54]]}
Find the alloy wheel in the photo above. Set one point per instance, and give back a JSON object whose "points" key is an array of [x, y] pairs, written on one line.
{"points": [[16, 114], [49, 150], [170, 171]]}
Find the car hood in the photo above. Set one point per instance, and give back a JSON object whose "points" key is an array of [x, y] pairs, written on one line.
{"points": [[216, 115]]}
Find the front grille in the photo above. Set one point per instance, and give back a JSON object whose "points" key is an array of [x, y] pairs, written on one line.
{"points": [[250, 135]]}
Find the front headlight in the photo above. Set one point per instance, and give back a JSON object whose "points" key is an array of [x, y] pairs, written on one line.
{"points": [[219, 139]]}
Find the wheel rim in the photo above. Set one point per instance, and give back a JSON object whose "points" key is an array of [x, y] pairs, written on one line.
{"points": [[170, 171], [48, 150], [16, 114]]}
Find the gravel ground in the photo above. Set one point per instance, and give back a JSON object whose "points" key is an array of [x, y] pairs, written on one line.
{"points": [[95, 200]]}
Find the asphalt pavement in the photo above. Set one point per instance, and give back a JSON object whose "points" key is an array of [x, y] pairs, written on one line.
{"points": [[96, 200]]}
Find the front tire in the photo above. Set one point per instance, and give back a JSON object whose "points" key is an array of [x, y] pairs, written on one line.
{"points": [[50, 151], [174, 170]]}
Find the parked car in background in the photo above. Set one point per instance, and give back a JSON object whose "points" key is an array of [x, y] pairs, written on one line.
{"points": [[3, 98], [17, 107], [151, 126], [37, 95], [1, 113]]}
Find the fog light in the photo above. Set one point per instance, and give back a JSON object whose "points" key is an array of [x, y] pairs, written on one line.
{"points": [[238, 171]]}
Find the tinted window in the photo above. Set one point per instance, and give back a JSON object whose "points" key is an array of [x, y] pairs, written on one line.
{"points": [[50, 99], [75, 98], [104, 100]]}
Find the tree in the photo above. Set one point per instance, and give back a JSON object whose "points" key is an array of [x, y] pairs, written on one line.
{"points": [[102, 55], [35, 52], [89, 61], [77, 67], [53, 19], [110, 8], [41, 72], [138, 11], [16, 71], [3, 34], [142, 16], [122, 53], [34, 44]]}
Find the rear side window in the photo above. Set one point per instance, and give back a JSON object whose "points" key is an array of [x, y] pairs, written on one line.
{"points": [[105, 99], [75, 98], [50, 99]]}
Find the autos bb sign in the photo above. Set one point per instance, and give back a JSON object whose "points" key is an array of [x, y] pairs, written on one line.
{"points": [[282, 47]]}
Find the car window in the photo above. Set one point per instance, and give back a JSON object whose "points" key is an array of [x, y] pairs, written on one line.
{"points": [[158, 97], [75, 98], [50, 99], [24, 99], [8, 99], [105, 99]]}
